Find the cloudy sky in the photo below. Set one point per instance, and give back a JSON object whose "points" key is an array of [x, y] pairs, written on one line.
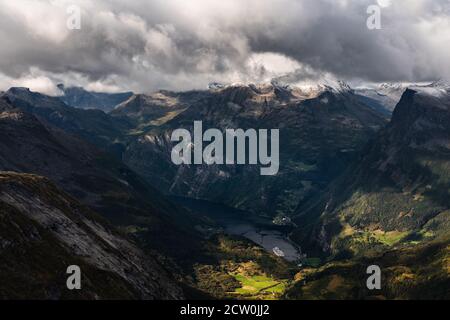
{"points": [[185, 44]]}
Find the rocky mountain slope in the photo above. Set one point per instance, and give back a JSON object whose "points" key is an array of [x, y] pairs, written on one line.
{"points": [[94, 126], [420, 272], [385, 97], [44, 230], [147, 111], [320, 130], [80, 98], [93, 177], [397, 192], [358, 190], [390, 209]]}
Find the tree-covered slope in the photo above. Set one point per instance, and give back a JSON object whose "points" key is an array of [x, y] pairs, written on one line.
{"points": [[396, 193]]}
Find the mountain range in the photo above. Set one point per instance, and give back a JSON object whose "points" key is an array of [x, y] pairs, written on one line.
{"points": [[87, 179], [78, 97], [320, 132], [390, 208]]}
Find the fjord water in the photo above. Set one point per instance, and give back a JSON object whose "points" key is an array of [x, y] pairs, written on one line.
{"points": [[266, 238], [242, 223]]}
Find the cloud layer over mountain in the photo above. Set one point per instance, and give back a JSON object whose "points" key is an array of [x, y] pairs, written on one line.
{"points": [[176, 44]]}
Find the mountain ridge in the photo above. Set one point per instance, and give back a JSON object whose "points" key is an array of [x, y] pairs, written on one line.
{"points": [[51, 230], [399, 184], [300, 120], [80, 98]]}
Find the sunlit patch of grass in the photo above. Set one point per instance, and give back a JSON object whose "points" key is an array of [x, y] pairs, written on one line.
{"points": [[389, 238], [347, 231], [363, 241], [252, 285], [167, 117]]}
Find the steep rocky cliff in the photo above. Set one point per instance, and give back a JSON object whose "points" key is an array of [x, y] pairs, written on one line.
{"points": [[398, 191], [44, 230], [319, 132]]}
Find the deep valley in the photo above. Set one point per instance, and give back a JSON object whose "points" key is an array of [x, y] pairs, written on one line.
{"points": [[355, 188]]}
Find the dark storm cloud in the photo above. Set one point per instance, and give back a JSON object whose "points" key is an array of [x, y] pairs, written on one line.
{"points": [[145, 45]]}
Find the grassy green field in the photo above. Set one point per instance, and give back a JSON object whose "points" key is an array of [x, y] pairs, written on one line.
{"points": [[389, 238], [241, 270], [259, 284]]}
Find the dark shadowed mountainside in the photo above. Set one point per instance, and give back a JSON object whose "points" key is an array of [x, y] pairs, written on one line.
{"points": [[95, 178], [43, 231], [94, 126], [399, 188], [80, 98]]}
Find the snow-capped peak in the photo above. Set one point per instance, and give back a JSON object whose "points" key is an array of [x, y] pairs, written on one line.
{"points": [[436, 89], [440, 84], [392, 86], [326, 84]]}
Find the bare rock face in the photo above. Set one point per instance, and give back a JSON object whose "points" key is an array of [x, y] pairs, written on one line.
{"points": [[51, 230]]}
